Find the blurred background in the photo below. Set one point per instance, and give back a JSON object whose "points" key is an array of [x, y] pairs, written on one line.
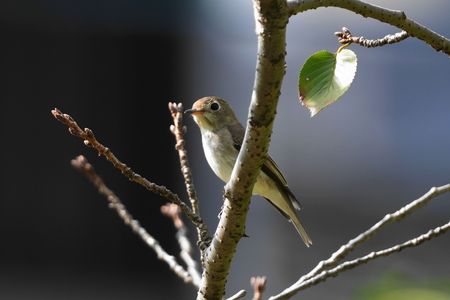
{"points": [[113, 65]]}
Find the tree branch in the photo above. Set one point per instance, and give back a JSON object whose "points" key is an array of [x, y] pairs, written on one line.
{"points": [[178, 129], [81, 164], [89, 140], [393, 17], [345, 37], [271, 18], [173, 211], [351, 245], [289, 292]]}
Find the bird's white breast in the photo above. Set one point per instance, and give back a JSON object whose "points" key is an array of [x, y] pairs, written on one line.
{"points": [[220, 152], [221, 155]]}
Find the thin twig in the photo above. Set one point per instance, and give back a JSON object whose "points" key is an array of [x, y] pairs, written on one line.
{"points": [[345, 37], [346, 249], [259, 285], [178, 130], [394, 17], [173, 211], [289, 292], [81, 164], [400, 214], [238, 295], [89, 140]]}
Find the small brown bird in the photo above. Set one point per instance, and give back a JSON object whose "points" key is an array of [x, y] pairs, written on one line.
{"points": [[222, 137]]}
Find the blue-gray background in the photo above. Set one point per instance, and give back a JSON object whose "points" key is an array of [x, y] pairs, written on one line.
{"points": [[114, 65]]}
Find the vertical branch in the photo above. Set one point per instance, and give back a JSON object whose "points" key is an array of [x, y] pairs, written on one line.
{"points": [[178, 131], [271, 18]]}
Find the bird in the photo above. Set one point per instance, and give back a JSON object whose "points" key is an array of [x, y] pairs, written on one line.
{"points": [[222, 137]]}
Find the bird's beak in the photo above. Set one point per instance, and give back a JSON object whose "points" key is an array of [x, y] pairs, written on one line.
{"points": [[194, 111]]}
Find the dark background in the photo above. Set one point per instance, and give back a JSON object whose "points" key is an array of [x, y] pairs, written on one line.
{"points": [[114, 65]]}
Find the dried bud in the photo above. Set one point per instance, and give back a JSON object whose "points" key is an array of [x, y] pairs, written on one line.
{"points": [[89, 132], [259, 285]]}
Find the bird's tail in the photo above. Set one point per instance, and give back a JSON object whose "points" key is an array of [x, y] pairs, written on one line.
{"points": [[286, 208], [300, 229]]}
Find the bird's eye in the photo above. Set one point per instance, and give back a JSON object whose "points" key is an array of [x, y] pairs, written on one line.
{"points": [[215, 106]]}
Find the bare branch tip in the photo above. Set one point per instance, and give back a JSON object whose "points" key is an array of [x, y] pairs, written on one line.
{"points": [[173, 211], [175, 107], [55, 112], [259, 285], [79, 162]]}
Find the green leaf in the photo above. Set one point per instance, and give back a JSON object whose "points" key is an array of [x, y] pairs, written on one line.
{"points": [[325, 77]]}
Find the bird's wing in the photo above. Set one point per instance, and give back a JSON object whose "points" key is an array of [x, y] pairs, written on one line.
{"points": [[269, 167], [237, 133]]}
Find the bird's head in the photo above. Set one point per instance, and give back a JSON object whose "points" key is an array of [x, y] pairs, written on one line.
{"points": [[212, 113]]}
